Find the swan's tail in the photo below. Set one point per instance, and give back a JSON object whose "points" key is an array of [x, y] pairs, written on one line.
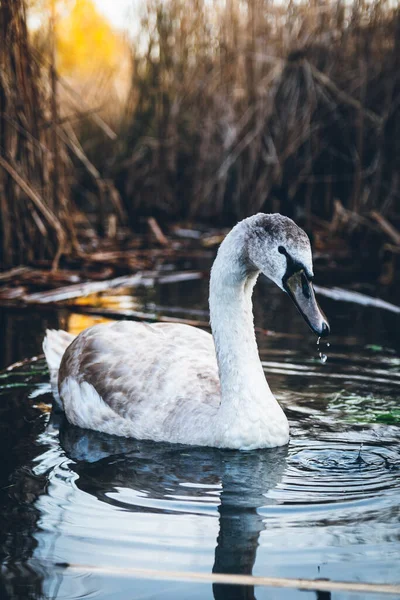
{"points": [[55, 344]]}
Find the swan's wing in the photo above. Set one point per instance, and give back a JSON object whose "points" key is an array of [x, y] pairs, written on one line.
{"points": [[144, 370]]}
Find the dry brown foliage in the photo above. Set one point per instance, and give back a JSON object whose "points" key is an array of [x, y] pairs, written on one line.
{"points": [[245, 105], [35, 220], [37, 148]]}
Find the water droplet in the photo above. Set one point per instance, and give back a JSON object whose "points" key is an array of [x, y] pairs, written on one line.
{"points": [[322, 357], [328, 345]]}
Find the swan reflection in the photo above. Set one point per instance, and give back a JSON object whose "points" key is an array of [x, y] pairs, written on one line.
{"points": [[242, 480]]}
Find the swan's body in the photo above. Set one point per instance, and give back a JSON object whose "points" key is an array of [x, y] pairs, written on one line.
{"points": [[174, 383]]}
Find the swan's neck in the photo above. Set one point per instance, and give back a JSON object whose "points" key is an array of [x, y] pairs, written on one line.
{"points": [[247, 403], [231, 311]]}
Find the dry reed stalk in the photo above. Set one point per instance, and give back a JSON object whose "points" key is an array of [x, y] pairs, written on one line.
{"points": [[37, 150], [34, 206], [242, 106]]}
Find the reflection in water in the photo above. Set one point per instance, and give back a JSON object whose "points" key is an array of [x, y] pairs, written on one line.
{"points": [[19, 490], [244, 479]]}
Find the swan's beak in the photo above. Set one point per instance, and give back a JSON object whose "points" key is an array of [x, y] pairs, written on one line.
{"points": [[301, 291]]}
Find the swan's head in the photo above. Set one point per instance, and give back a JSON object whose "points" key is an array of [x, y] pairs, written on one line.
{"points": [[277, 247]]}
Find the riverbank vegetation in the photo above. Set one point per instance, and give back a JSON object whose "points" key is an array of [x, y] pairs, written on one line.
{"points": [[233, 107]]}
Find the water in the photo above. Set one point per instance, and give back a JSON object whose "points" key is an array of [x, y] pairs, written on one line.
{"points": [[325, 507]]}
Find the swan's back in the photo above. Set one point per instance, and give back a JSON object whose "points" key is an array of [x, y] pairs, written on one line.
{"points": [[138, 379]]}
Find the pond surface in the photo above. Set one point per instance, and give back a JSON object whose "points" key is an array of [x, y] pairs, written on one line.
{"points": [[325, 507]]}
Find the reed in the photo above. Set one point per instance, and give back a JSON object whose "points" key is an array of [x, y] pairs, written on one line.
{"points": [[35, 219], [242, 106], [39, 151]]}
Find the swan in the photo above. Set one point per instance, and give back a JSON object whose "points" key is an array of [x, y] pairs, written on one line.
{"points": [[177, 383]]}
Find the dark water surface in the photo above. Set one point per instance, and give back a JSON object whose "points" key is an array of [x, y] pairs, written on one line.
{"points": [[326, 506]]}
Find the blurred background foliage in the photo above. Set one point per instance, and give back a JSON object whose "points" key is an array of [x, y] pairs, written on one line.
{"points": [[86, 43], [210, 110]]}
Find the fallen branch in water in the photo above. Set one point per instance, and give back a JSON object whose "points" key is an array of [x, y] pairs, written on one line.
{"points": [[337, 293], [234, 579], [83, 289], [15, 273], [144, 278]]}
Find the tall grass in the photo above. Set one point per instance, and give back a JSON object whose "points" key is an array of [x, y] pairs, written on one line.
{"points": [[245, 105], [35, 220], [39, 150]]}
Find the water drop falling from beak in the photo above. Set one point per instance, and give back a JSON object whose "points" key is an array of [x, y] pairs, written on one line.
{"points": [[322, 357]]}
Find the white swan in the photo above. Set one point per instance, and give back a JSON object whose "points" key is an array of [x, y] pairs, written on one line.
{"points": [[173, 383]]}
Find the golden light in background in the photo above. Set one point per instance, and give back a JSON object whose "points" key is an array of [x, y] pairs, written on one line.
{"points": [[87, 43], [91, 54]]}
